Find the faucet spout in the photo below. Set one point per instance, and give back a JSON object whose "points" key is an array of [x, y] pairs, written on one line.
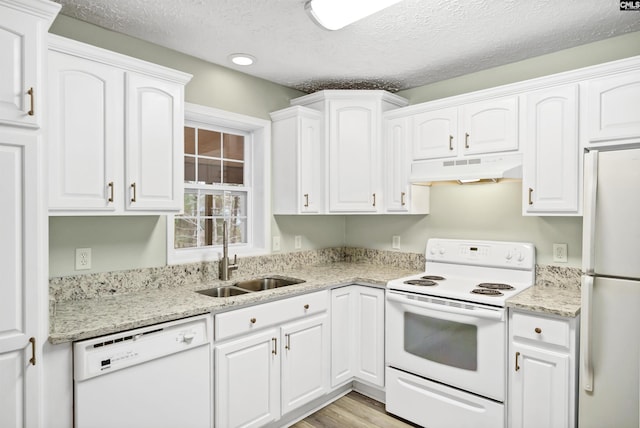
{"points": [[225, 268]]}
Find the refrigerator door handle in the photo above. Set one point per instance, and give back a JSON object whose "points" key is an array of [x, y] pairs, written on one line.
{"points": [[589, 211], [585, 326]]}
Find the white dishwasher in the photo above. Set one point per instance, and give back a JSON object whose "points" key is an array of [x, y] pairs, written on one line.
{"points": [[153, 377]]}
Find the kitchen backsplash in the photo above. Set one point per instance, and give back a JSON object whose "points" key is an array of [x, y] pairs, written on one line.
{"points": [[109, 283]]}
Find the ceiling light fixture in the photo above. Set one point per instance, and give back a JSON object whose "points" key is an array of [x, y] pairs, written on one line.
{"points": [[242, 59], [336, 14]]}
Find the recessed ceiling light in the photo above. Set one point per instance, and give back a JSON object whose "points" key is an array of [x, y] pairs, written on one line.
{"points": [[336, 14], [242, 59]]}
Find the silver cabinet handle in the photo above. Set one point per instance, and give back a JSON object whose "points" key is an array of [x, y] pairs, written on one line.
{"points": [[274, 341], [466, 140], [374, 199], [402, 199], [530, 192], [32, 110], [306, 200], [110, 186], [517, 356], [450, 142], [32, 361], [133, 192]]}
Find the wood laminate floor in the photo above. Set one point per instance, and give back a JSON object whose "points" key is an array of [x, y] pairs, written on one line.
{"points": [[353, 411]]}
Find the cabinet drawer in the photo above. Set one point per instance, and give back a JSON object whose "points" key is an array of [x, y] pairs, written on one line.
{"points": [[541, 329], [246, 320]]}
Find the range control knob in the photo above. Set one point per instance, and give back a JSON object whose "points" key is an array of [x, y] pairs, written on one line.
{"points": [[520, 256], [509, 255]]}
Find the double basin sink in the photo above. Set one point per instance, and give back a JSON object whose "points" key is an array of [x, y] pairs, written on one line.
{"points": [[250, 285]]}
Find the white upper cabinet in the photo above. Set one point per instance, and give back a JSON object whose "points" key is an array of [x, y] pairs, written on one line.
{"points": [[154, 144], [23, 27], [550, 176], [400, 195], [613, 108], [474, 128], [352, 130], [85, 133], [115, 133], [298, 161]]}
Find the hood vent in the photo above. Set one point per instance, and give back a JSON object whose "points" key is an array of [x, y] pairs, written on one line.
{"points": [[467, 170]]}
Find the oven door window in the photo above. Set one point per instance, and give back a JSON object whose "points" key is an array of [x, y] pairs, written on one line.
{"points": [[446, 342]]}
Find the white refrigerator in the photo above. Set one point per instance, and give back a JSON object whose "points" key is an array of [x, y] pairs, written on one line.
{"points": [[610, 319]]}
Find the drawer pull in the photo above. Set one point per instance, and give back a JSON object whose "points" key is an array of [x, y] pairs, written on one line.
{"points": [[538, 330], [306, 306], [517, 356], [306, 200], [253, 320]]}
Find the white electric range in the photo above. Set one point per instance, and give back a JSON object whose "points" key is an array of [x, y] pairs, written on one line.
{"points": [[446, 332]]}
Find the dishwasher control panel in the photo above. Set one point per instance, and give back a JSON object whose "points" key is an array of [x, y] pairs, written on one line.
{"points": [[94, 357]]}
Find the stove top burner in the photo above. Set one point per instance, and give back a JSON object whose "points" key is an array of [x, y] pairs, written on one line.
{"points": [[423, 282], [495, 286], [434, 277], [487, 292]]}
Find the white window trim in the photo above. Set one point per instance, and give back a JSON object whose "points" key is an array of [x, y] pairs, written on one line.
{"points": [[260, 131]]}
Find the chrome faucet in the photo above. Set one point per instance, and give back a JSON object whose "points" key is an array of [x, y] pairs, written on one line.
{"points": [[224, 266]]}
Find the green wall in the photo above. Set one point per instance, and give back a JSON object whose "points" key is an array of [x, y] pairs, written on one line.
{"points": [[482, 212]]}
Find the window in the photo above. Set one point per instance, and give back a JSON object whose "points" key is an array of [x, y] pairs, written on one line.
{"points": [[226, 178]]}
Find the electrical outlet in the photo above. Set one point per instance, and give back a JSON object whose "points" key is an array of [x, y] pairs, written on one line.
{"points": [[275, 243], [395, 242], [83, 258], [297, 242], [560, 253]]}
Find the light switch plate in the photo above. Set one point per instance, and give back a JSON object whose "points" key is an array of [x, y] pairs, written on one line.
{"points": [[560, 253], [275, 243], [395, 242], [297, 242]]}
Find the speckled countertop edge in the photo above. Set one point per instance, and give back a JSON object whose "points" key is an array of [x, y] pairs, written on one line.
{"points": [[73, 320]]}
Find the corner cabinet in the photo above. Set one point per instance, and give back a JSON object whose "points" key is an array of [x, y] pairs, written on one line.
{"points": [[352, 129], [116, 133], [542, 370], [274, 356], [298, 161], [357, 335], [23, 212], [551, 173]]}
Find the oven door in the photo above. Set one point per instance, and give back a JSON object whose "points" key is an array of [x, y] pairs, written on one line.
{"points": [[456, 343]]}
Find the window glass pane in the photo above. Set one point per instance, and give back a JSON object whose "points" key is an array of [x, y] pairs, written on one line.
{"points": [[189, 168], [446, 342], [233, 172], [237, 230], [189, 140], [233, 146], [238, 204], [208, 171], [185, 233], [190, 204], [209, 143]]}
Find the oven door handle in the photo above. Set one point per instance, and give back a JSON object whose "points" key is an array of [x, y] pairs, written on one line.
{"points": [[476, 312]]}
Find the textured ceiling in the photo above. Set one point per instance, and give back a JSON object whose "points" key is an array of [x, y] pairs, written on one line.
{"points": [[410, 44]]}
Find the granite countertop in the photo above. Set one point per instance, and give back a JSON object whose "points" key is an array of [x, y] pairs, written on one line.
{"points": [[555, 292], [559, 297], [73, 320]]}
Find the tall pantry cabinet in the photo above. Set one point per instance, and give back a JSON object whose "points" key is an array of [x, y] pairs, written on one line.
{"points": [[23, 212]]}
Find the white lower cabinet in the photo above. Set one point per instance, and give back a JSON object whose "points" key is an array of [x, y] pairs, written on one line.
{"points": [[357, 335], [265, 374], [542, 370]]}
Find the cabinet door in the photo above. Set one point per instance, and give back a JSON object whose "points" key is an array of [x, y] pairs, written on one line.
{"points": [[305, 361], [19, 263], [368, 318], [342, 334], [154, 144], [550, 174], [86, 135], [247, 381], [397, 164], [311, 166], [539, 388], [353, 156], [434, 134], [613, 106], [489, 126], [20, 39]]}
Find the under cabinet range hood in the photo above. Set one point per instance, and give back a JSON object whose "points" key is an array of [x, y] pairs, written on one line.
{"points": [[472, 169]]}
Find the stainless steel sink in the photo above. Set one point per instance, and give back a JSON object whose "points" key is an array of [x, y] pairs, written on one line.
{"points": [[267, 283], [225, 291], [243, 287]]}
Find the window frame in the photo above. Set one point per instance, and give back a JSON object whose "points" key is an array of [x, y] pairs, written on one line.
{"points": [[258, 137]]}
